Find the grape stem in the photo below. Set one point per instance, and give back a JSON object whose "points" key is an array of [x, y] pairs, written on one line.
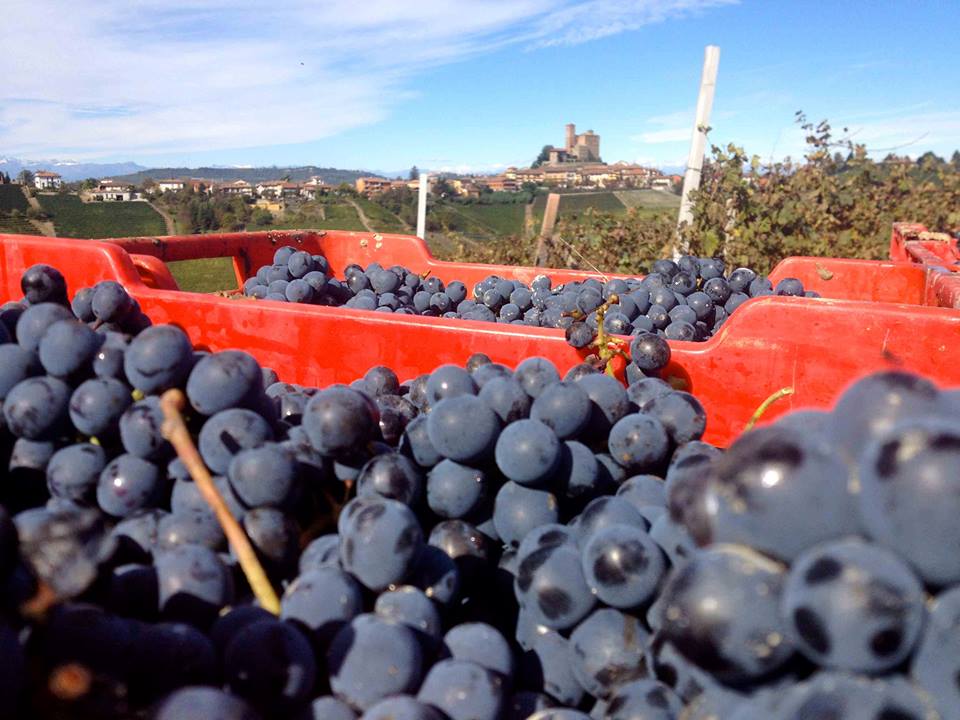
{"points": [[607, 344], [175, 431], [765, 405]]}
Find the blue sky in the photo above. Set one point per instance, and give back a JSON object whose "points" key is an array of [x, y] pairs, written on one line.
{"points": [[469, 86]]}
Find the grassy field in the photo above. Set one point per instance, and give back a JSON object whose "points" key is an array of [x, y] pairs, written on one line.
{"points": [[648, 198], [17, 226], [381, 219], [599, 201], [12, 198], [76, 219], [500, 219], [206, 276], [340, 216]]}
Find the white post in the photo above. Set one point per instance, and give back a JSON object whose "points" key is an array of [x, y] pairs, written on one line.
{"points": [[422, 206], [698, 143]]}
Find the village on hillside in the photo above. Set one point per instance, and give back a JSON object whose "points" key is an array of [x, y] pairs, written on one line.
{"points": [[575, 166]]}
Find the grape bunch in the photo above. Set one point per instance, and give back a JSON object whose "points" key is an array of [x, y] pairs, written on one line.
{"points": [[476, 543], [685, 300]]}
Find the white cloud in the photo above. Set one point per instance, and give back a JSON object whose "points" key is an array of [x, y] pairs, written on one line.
{"points": [[158, 76]]}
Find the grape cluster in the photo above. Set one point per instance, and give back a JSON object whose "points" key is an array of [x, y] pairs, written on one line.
{"points": [[684, 300], [476, 543]]}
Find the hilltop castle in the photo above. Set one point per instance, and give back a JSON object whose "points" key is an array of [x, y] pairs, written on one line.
{"points": [[582, 148]]}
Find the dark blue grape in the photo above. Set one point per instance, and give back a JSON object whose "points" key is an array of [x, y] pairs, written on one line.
{"points": [[720, 611], [35, 320], [547, 667], [339, 420], [270, 663], [42, 283], [158, 359], [505, 397], [16, 365], [871, 407], [96, 406], [647, 699], [189, 528], [647, 493], [73, 472], [227, 379], [609, 403], [789, 286], [908, 499], [167, 656], [111, 303], [379, 540], [67, 348], [683, 331], [188, 703], [321, 601], [463, 690], [535, 374], [481, 644], [141, 430], [639, 442], [518, 510], [455, 490], [758, 486], [936, 662], [527, 452], [607, 650], [579, 476], [37, 408], [622, 565], [604, 512], [263, 476], [853, 606], [551, 586], [415, 443], [322, 552], [564, 407], [128, 484], [650, 352], [463, 428], [275, 537], [392, 475], [371, 659], [408, 605], [227, 433], [449, 381], [193, 582], [435, 572], [681, 414]]}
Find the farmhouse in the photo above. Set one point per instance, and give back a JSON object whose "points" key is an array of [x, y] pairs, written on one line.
{"points": [[170, 185], [237, 187], [111, 191], [46, 180], [372, 185]]}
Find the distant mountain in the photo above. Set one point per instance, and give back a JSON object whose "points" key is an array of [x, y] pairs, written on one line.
{"points": [[133, 173], [69, 169], [331, 176]]}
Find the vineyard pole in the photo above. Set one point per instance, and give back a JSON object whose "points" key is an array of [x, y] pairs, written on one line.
{"points": [[698, 142], [422, 206]]}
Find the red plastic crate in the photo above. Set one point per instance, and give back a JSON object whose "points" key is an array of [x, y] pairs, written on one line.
{"points": [[816, 347], [936, 254], [841, 279]]}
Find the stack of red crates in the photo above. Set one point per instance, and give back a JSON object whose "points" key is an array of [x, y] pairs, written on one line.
{"points": [[874, 315]]}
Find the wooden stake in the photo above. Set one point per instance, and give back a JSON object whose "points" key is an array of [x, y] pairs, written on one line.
{"points": [[422, 206], [175, 431]]}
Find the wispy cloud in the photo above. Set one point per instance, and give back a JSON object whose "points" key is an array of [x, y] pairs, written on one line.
{"points": [[108, 78]]}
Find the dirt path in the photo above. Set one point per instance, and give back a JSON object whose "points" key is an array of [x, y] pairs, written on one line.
{"points": [[362, 215], [168, 221], [528, 228], [44, 227]]}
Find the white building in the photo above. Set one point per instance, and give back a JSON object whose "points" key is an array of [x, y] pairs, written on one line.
{"points": [[112, 191], [45, 180], [170, 185]]}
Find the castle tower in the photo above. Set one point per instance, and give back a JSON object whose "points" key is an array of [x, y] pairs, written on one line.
{"points": [[571, 137]]}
